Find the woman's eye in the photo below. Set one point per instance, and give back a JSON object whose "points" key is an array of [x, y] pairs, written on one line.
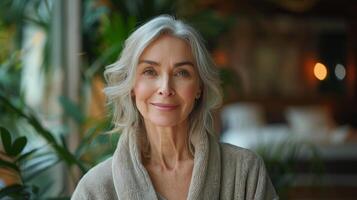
{"points": [[149, 72], [183, 73]]}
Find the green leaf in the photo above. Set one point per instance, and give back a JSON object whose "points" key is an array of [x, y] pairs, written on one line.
{"points": [[64, 142], [41, 130], [19, 145], [6, 140], [27, 154], [4, 163]]}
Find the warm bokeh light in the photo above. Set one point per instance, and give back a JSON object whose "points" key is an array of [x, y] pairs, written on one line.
{"points": [[340, 71], [320, 71], [220, 58]]}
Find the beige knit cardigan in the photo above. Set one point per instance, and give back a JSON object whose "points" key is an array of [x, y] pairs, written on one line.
{"points": [[221, 171]]}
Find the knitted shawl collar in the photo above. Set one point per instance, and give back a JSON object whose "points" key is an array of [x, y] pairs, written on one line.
{"points": [[132, 181]]}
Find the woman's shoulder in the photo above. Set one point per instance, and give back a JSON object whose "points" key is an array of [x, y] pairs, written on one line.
{"points": [[97, 181], [236, 151], [245, 170], [235, 154], [102, 172]]}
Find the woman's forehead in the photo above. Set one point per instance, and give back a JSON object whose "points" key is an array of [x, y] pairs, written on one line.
{"points": [[168, 45]]}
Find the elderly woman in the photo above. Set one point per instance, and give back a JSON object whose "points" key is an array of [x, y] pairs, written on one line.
{"points": [[164, 88]]}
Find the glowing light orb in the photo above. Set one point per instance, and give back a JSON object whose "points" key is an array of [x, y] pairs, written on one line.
{"points": [[340, 71], [320, 71]]}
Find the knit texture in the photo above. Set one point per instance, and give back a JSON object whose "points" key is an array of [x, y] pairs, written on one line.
{"points": [[221, 171]]}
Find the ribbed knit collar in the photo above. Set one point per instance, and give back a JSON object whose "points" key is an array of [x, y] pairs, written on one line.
{"points": [[132, 181]]}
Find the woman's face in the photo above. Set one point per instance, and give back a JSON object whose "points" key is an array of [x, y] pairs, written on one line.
{"points": [[166, 82]]}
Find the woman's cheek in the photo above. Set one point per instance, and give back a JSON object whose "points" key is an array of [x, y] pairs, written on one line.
{"points": [[139, 87], [142, 86], [190, 91]]}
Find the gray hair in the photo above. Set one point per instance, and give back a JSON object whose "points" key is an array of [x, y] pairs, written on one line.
{"points": [[120, 77]]}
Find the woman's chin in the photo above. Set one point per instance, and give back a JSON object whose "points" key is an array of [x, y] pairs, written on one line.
{"points": [[165, 122]]}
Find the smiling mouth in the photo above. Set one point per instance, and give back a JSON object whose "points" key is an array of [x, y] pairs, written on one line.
{"points": [[162, 106]]}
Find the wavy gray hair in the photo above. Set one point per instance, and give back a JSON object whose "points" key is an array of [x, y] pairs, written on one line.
{"points": [[120, 77]]}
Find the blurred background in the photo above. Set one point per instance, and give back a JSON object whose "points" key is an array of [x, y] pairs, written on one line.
{"points": [[288, 70]]}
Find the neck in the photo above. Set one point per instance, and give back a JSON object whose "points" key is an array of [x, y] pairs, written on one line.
{"points": [[168, 145]]}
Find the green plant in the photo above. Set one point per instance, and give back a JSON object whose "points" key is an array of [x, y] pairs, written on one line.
{"points": [[59, 148], [55, 151], [12, 160], [282, 161]]}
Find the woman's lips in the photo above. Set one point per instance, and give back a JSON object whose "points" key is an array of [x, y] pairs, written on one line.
{"points": [[163, 106]]}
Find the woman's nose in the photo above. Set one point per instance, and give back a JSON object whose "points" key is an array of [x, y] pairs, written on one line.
{"points": [[165, 88]]}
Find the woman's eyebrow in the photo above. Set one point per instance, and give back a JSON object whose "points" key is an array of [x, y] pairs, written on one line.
{"points": [[175, 65], [184, 63], [148, 62]]}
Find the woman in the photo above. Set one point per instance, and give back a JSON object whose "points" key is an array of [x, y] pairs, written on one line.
{"points": [[163, 89]]}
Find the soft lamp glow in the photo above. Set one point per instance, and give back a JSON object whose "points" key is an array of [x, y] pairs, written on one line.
{"points": [[340, 71], [320, 71]]}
